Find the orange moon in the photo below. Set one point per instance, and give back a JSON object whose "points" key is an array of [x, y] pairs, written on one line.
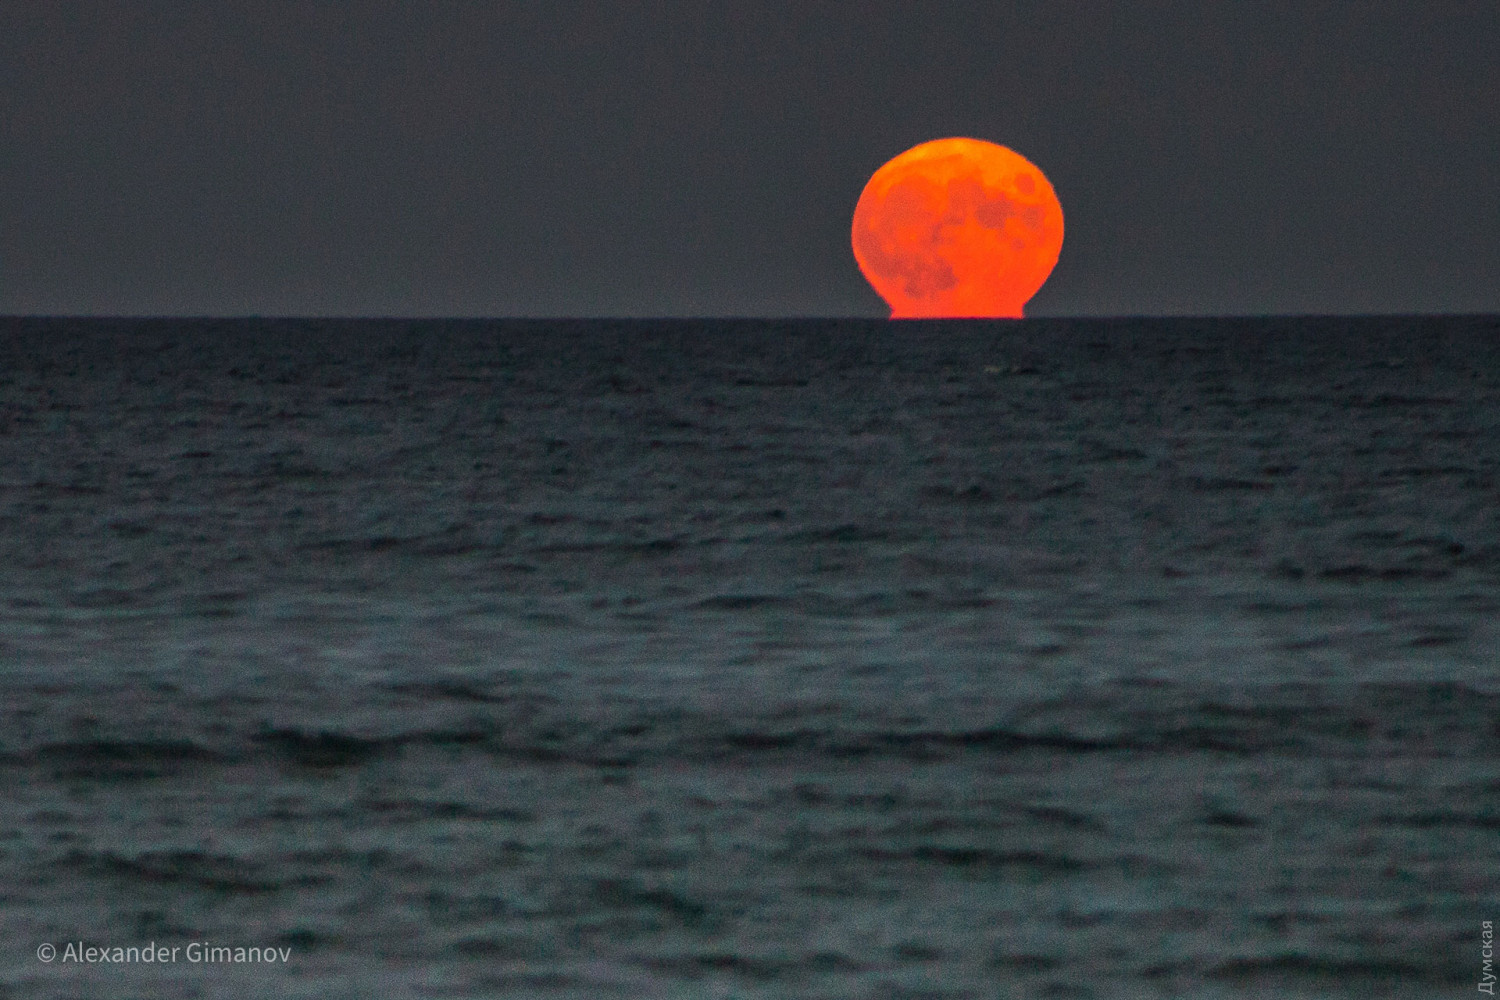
{"points": [[957, 227]]}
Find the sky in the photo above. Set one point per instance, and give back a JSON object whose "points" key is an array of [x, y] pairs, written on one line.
{"points": [[703, 157]]}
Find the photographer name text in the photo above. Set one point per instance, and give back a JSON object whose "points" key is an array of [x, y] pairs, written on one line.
{"points": [[194, 952]]}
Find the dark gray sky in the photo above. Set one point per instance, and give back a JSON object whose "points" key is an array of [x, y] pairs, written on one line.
{"points": [[703, 157]]}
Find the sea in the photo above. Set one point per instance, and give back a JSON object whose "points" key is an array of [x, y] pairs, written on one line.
{"points": [[1125, 658]]}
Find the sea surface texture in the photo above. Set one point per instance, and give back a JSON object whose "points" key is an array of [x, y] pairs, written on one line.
{"points": [[836, 659]]}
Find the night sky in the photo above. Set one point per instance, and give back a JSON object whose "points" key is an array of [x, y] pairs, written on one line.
{"points": [[703, 157]]}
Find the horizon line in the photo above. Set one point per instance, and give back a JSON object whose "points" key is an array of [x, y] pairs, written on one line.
{"points": [[731, 318]]}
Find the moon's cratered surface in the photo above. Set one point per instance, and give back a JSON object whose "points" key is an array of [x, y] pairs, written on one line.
{"points": [[957, 227]]}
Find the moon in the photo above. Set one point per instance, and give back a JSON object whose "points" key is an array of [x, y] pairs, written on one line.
{"points": [[957, 228]]}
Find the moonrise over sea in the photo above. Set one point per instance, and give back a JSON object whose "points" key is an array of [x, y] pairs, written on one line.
{"points": [[744, 501]]}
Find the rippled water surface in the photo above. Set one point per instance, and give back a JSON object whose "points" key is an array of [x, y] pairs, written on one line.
{"points": [[751, 659]]}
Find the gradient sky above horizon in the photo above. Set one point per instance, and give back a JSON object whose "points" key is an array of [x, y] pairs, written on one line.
{"points": [[687, 158]]}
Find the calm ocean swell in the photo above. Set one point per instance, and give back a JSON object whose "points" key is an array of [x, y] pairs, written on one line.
{"points": [[824, 658]]}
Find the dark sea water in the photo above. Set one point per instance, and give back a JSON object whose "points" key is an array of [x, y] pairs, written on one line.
{"points": [[831, 659]]}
